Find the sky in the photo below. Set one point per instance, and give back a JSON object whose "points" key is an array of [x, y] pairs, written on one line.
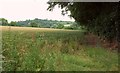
{"points": [[17, 10]]}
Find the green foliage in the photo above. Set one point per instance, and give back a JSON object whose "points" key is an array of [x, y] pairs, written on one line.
{"points": [[44, 23], [33, 24], [53, 51], [3, 22], [60, 26], [99, 18], [13, 23], [68, 28], [41, 23]]}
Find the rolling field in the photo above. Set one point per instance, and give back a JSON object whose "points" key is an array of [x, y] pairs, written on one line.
{"points": [[44, 49]]}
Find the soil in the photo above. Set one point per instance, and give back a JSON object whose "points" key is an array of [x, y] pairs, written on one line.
{"points": [[93, 40]]}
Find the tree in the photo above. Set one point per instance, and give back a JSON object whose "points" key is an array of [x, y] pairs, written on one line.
{"points": [[12, 23], [100, 18], [3, 22], [60, 26], [33, 24]]}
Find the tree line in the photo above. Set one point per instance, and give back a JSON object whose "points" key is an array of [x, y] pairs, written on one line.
{"points": [[42, 23]]}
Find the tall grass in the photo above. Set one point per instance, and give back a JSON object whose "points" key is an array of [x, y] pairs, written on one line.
{"points": [[54, 51]]}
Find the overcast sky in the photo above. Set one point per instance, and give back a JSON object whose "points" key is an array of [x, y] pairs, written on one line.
{"points": [[16, 10]]}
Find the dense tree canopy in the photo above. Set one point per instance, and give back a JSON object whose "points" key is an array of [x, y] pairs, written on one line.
{"points": [[100, 18], [12, 23], [3, 21]]}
